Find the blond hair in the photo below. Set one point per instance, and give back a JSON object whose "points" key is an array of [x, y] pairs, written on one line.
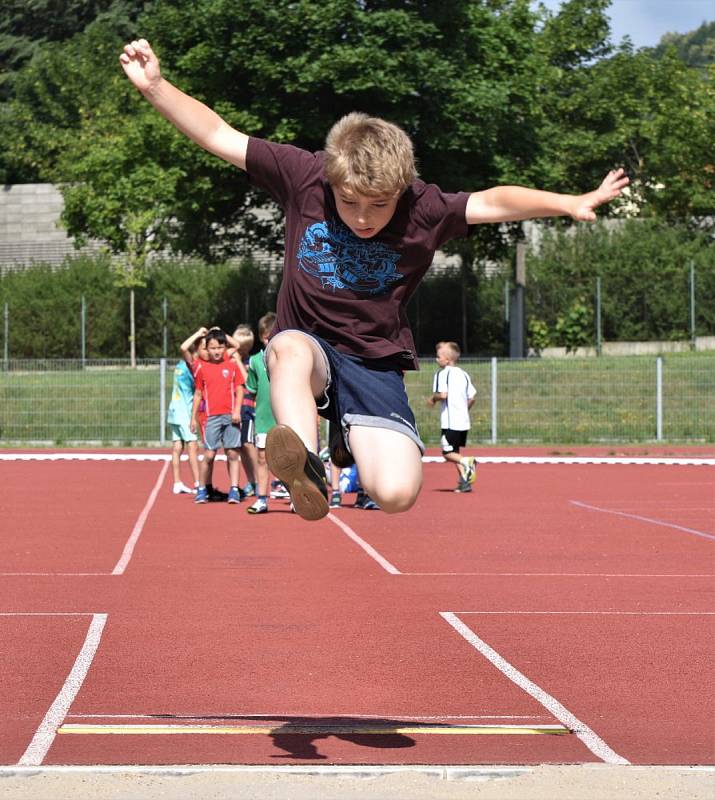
{"points": [[266, 323], [369, 155], [245, 338], [453, 347]]}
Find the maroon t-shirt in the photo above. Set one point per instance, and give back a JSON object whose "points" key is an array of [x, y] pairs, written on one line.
{"points": [[352, 292]]}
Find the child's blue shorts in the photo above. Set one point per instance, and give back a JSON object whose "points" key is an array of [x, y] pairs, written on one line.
{"points": [[363, 392]]}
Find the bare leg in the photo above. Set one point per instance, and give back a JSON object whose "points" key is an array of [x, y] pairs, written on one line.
{"points": [[389, 465], [249, 459], [262, 489], [193, 449], [456, 459], [207, 467], [233, 466], [176, 449], [298, 375]]}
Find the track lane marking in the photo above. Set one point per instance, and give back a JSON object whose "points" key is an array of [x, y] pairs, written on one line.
{"points": [[652, 521], [56, 713], [592, 741], [369, 549], [121, 565]]}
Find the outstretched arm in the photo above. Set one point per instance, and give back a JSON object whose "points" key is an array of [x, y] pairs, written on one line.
{"points": [[512, 203], [191, 117]]}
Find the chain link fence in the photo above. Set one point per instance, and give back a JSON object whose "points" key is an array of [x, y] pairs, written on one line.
{"points": [[560, 400]]}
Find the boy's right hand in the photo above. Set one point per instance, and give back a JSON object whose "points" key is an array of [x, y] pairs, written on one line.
{"points": [[202, 331], [141, 65]]}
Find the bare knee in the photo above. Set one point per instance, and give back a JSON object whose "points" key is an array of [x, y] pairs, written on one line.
{"points": [[395, 499], [289, 346]]}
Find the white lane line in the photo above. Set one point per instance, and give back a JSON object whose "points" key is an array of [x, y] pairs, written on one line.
{"points": [[641, 519], [605, 613], [369, 549], [592, 741], [55, 716], [45, 614], [694, 461], [139, 524], [709, 576], [311, 716]]}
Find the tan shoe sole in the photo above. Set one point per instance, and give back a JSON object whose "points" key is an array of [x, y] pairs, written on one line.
{"points": [[286, 456]]}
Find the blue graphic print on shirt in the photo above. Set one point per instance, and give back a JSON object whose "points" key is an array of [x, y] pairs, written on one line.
{"points": [[331, 252]]}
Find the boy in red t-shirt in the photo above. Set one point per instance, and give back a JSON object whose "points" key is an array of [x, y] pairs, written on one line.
{"points": [[220, 383]]}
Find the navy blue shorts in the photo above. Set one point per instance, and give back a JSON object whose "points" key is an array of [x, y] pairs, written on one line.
{"points": [[248, 422], [363, 392]]}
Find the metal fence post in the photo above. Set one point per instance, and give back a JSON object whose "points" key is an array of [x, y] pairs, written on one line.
{"points": [[494, 401], [693, 330], [6, 334], [83, 324], [165, 310], [598, 316], [659, 399], [162, 401]]}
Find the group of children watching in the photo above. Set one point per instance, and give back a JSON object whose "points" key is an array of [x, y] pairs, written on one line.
{"points": [[221, 393]]}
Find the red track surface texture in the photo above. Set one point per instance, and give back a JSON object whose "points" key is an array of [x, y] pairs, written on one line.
{"points": [[576, 596]]}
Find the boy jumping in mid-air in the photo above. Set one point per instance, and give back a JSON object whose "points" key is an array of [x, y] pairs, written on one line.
{"points": [[453, 388], [361, 230]]}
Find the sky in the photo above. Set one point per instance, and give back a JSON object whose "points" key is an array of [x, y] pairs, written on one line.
{"points": [[645, 21]]}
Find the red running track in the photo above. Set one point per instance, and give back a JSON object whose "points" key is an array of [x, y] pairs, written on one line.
{"points": [[574, 596]]}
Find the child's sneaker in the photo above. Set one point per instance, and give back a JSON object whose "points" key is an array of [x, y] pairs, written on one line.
{"points": [[470, 470], [335, 500], [279, 491], [234, 495], [202, 495], [182, 488], [463, 487], [365, 502], [300, 471], [259, 507], [249, 490]]}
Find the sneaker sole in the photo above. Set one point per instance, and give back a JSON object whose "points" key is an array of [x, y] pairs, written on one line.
{"points": [[286, 456]]}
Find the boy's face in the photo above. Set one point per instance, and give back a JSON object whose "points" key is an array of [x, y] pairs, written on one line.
{"points": [[365, 215], [216, 350], [444, 356]]}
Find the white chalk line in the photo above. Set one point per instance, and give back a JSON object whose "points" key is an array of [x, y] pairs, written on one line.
{"points": [[650, 520], [310, 716], [522, 459], [599, 613], [55, 716], [369, 549], [139, 524], [592, 741]]}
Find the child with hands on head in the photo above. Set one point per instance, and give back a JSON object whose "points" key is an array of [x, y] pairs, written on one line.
{"points": [[361, 230]]}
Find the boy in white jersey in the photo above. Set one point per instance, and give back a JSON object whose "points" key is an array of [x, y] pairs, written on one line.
{"points": [[453, 388], [361, 230]]}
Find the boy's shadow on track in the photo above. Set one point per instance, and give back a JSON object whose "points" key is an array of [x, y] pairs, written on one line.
{"points": [[296, 735]]}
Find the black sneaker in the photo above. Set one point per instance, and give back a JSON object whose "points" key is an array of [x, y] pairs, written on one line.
{"points": [[339, 453], [365, 502], [300, 471], [463, 487], [217, 496]]}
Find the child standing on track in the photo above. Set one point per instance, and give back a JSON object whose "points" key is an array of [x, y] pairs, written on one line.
{"points": [[243, 335], [179, 418], [361, 231], [220, 383], [453, 388], [257, 384]]}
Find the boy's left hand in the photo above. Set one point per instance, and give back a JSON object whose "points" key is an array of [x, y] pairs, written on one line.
{"points": [[611, 188]]}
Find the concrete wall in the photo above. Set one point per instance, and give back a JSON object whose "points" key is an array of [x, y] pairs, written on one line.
{"points": [[29, 225], [633, 348]]}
